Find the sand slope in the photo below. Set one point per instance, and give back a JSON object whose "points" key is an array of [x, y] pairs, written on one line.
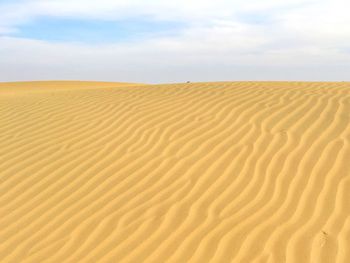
{"points": [[202, 172]]}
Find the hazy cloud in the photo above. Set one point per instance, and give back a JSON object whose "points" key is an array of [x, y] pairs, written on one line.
{"points": [[219, 40]]}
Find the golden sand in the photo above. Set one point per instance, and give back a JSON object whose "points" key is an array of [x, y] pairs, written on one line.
{"points": [[199, 172]]}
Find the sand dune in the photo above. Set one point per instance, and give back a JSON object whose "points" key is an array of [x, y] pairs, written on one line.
{"points": [[37, 86], [200, 172]]}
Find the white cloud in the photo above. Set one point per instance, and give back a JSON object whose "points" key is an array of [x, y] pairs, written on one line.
{"points": [[185, 10], [301, 39]]}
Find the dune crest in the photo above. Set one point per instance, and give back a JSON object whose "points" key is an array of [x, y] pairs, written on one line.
{"points": [[193, 172]]}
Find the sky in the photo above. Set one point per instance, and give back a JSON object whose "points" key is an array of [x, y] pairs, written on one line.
{"points": [[162, 41]]}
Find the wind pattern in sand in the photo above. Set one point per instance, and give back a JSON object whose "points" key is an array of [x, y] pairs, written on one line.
{"points": [[198, 172]]}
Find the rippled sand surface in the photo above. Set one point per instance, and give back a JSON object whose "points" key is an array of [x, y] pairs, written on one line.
{"points": [[195, 172]]}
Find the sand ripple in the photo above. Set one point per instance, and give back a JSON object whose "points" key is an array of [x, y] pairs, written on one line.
{"points": [[200, 172]]}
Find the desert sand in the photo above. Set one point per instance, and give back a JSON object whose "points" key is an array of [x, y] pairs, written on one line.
{"points": [[192, 172]]}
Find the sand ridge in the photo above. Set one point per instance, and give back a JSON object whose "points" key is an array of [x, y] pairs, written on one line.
{"points": [[193, 172], [56, 86]]}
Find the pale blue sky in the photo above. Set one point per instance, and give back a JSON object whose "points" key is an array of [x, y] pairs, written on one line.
{"points": [[171, 41], [95, 31]]}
